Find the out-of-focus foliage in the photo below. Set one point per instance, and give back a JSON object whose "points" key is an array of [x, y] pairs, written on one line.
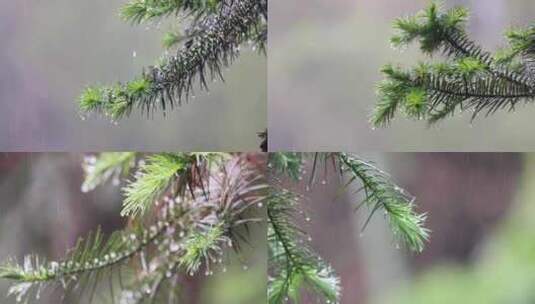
{"points": [[505, 272]]}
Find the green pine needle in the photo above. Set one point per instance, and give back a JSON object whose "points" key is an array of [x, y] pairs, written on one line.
{"points": [[383, 195], [293, 266], [153, 179], [201, 246]]}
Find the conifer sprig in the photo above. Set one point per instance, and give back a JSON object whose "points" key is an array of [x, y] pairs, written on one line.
{"points": [[212, 42], [470, 78], [381, 194], [191, 231], [153, 178], [96, 257], [292, 265]]}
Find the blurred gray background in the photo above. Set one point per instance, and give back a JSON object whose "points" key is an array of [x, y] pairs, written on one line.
{"points": [[52, 50], [324, 63]]}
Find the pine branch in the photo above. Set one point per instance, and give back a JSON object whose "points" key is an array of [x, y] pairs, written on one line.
{"points": [[294, 267], [432, 92], [471, 79], [88, 261], [382, 194], [212, 43], [183, 173], [190, 232]]}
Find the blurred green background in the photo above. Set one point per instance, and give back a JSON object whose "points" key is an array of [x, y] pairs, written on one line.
{"points": [[480, 209], [324, 63], [43, 211], [52, 50]]}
